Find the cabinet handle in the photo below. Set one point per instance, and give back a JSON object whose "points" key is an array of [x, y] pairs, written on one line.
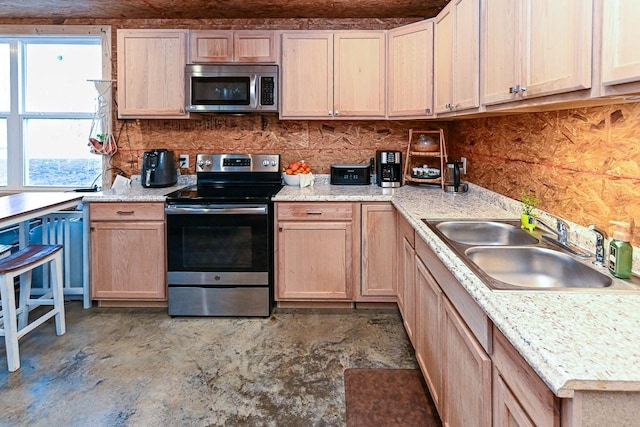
{"points": [[331, 112], [125, 212], [517, 88], [280, 229], [337, 112], [523, 88], [427, 110], [310, 212]]}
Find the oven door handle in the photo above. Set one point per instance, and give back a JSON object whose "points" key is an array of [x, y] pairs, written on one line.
{"points": [[216, 210]]}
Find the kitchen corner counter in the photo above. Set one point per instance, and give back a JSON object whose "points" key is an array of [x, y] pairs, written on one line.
{"points": [[137, 193], [575, 341]]}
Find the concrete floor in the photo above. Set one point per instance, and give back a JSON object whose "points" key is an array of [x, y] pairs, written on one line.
{"points": [[140, 367]]}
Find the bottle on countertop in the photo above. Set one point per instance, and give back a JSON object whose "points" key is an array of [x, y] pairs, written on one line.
{"points": [[620, 250]]}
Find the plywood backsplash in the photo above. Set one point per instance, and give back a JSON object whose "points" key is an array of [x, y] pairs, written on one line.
{"points": [[321, 143], [584, 164]]}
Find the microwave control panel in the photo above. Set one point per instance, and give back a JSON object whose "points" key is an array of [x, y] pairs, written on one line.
{"points": [[267, 90]]}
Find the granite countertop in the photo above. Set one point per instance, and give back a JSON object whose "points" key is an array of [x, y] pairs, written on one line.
{"points": [[137, 193], [574, 341]]}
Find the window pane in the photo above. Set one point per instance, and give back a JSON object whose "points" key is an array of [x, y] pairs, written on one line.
{"points": [[56, 77], [4, 77], [56, 153], [3, 152]]}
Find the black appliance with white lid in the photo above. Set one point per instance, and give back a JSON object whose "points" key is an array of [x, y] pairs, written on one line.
{"points": [[220, 237]]}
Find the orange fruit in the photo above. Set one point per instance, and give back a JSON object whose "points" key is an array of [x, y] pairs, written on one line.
{"points": [[288, 171]]}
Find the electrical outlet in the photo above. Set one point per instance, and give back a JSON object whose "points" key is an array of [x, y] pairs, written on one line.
{"points": [[464, 165], [184, 161]]}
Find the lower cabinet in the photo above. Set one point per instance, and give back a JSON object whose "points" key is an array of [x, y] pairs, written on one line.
{"points": [[128, 255], [379, 255], [406, 297], [316, 246], [520, 397], [454, 361]]}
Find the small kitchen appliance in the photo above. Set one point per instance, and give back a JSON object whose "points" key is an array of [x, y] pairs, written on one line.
{"points": [[389, 168], [220, 237], [158, 168], [350, 174], [452, 182]]}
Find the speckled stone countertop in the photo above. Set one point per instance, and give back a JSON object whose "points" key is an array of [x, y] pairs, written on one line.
{"points": [[574, 341], [137, 193]]}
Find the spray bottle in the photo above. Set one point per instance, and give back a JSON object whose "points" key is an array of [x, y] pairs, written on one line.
{"points": [[620, 250]]}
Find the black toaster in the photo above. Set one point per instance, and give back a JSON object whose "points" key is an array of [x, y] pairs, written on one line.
{"points": [[350, 174]]}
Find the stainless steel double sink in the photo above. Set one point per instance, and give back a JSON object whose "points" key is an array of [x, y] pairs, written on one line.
{"points": [[506, 257]]}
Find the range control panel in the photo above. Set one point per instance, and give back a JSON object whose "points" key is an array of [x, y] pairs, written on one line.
{"points": [[238, 163]]}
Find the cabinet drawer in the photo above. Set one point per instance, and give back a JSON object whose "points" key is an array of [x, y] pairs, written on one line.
{"points": [[126, 211], [314, 211]]}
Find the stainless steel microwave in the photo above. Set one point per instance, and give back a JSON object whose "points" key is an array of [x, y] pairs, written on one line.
{"points": [[231, 88]]}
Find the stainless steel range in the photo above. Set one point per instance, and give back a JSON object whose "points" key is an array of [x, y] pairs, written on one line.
{"points": [[220, 237]]}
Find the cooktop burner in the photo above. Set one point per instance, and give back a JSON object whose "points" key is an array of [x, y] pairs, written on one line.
{"points": [[232, 177]]}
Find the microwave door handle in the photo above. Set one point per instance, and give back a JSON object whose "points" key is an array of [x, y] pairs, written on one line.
{"points": [[253, 91]]}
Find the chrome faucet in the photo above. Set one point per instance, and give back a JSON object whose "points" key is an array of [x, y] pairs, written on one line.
{"points": [[600, 236], [560, 231]]}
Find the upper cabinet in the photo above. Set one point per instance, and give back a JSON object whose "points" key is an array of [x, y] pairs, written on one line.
{"points": [[333, 75], [532, 48], [410, 71], [151, 73], [233, 46], [620, 55], [456, 56]]}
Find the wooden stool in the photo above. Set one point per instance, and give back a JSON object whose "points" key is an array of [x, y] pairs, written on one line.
{"points": [[15, 321]]}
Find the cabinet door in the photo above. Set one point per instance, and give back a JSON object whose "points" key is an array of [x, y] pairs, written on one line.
{"points": [[559, 38], [443, 60], [466, 56], [211, 46], [128, 260], [307, 75], [151, 73], [410, 71], [507, 411], [359, 74], [314, 260], [255, 46], [466, 368], [501, 21], [379, 255], [407, 293], [620, 35], [428, 330]]}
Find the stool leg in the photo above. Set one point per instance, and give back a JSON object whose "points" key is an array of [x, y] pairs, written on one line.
{"points": [[25, 294], [58, 293], [8, 296]]}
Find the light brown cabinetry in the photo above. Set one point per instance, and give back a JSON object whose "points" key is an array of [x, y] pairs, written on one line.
{"points": [[379, 256], [233, 46], [620, 33], [405, 295], [453, 339], [456, 56], [316, 251], [151, 73], [532, 48], [521, 398], [128, 258], [333, 75], [410, 71]]}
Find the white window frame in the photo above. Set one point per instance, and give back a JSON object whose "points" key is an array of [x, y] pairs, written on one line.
{"points": [[15, 166]]}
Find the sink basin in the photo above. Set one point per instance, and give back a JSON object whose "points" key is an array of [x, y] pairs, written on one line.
{"points": [[534, 268], [486, 233]]}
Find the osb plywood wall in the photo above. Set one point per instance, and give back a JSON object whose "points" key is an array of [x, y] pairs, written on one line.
{"points": [[583, 164], [320, 143]]}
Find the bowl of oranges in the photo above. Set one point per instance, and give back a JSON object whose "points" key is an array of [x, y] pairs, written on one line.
{"points": [[291, 173]]}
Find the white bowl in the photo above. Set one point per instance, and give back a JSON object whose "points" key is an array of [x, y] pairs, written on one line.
{"points": [[291, 179]]}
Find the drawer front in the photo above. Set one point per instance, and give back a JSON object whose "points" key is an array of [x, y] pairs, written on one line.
{"points": [[314, 211], [126, 211]]}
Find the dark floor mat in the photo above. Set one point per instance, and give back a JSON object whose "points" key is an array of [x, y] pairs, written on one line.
{"points": [[388, 397]]}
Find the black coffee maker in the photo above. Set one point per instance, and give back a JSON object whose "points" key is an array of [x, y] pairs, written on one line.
{"points": [[158, 168], [389, 168]]}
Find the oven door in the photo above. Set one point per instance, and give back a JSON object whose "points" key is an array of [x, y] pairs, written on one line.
{"points": [[218, 244]]}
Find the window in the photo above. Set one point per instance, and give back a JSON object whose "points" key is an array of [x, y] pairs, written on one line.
{"points": [[47, 106]]}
